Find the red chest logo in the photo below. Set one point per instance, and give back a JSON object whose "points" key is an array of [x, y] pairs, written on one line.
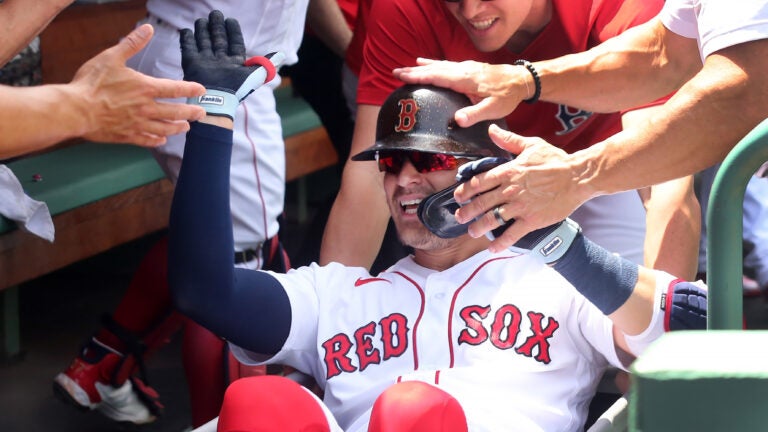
{"points": [[407, 116]]}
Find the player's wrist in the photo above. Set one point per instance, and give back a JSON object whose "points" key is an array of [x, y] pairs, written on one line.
{"points": [[595, 170], [549, 244], [220, 121], [217, 103]]}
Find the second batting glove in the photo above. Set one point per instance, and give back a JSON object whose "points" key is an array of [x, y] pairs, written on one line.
{"points": [[214, 56]]}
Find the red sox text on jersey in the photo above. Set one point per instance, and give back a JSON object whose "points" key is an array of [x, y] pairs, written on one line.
{"points": [[500, 327]]}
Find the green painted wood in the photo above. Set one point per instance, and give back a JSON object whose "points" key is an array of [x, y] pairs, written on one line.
{"points": [[295, 113], [713, 380], [81, 174]]}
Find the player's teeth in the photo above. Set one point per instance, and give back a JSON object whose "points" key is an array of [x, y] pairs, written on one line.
{"points": [[482, 25], [410, 206]]}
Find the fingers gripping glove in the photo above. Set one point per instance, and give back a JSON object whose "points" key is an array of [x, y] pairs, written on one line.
{"points": [[604, 279], [436, 211], [214, 56]]}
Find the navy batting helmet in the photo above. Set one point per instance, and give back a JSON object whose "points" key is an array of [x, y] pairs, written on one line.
{"points": [[420, 118]]}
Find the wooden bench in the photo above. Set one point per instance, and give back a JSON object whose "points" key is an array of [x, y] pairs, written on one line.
{"points": [[104, 195]]}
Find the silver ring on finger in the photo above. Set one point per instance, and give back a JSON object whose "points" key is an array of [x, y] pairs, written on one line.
{"points": [[497, 215]]}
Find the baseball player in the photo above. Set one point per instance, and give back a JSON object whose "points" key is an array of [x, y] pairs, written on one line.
{"points": [[100, 377], [450, 338], [511, 34]]}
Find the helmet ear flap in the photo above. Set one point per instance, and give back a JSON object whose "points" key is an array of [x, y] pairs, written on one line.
{"points": [[421, 118]]}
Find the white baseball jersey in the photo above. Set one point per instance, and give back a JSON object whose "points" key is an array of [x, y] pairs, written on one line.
{"points": [[257, 181], [508, 337]]}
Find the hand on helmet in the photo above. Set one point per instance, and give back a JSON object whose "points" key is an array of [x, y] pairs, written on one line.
{"points": [[214, 56]]}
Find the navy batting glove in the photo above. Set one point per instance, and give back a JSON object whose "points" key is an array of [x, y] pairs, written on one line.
{"points": [[214, 56]]}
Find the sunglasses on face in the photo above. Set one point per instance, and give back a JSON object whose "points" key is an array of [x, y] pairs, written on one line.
{"points": [[392, 162], [456, 1]]}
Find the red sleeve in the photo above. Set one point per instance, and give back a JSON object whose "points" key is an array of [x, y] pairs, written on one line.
{"points": [[613, 17], [398, 31], [354, 55], [349, 9]]}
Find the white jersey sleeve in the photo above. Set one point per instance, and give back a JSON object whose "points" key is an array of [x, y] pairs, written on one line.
{"points": [[716, 24]]}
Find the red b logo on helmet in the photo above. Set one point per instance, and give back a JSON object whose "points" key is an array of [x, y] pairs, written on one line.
{"points": [[408, 109]]}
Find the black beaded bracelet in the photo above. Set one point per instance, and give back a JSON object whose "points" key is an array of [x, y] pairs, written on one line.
{"points": [[536, 81]]}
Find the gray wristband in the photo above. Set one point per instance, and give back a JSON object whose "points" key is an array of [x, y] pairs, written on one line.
{"points": [[217, 103], [550, 243]]}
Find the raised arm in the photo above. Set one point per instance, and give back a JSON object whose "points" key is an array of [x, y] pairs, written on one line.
{"points": [[106, 102], [327, 21], [359, 216], [249, 308]]}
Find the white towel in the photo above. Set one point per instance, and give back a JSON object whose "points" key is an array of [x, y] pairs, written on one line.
{"points": [[29, 214]]}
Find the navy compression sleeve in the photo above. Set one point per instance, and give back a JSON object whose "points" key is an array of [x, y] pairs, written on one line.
{"points": [[249, 308]]}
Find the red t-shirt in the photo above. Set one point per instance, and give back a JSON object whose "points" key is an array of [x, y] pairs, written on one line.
{"points": [[349, 10], [354, 55], [398, 31]]}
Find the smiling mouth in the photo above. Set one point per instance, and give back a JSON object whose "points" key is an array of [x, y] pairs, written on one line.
{"points": [[409, 207], [482, 24]]}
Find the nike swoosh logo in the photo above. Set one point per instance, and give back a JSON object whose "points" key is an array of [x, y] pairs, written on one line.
{"points": [[361, 281]]}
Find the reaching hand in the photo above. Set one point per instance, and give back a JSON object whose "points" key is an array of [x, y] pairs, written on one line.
{"points": [[536, 189], [214, 56], [120, 105], [496, 90]]}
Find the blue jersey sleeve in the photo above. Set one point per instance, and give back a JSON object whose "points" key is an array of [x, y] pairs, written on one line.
{"points": [[249, 308]]}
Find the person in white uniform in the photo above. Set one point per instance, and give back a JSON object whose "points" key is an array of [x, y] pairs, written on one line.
{"points": [[102, 376], [451, 338]]}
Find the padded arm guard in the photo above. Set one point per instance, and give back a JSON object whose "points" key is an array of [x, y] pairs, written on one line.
{"points": [[685, 306]]}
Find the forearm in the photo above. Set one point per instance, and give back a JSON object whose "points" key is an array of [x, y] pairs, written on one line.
{"points": [[21, 21], [233, 303], [689, 132], [638, 66], [642, 303], [673, 227], [673, 218], [37, 117], [359, 216], [328, 23], [200, 228]]}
